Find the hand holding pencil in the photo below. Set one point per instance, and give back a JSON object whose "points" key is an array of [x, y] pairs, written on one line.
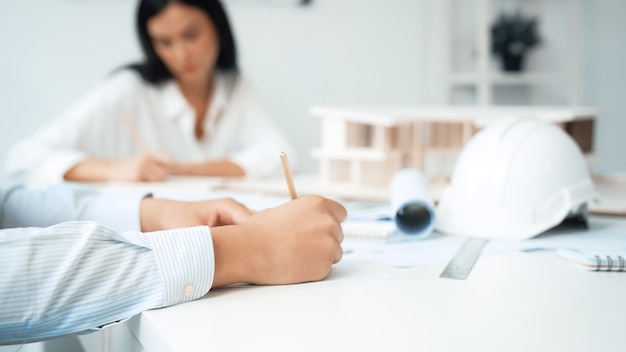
{"points": [[298, 241], [145, 166]]}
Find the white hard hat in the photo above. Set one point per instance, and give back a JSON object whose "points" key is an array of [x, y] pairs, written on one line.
{"points": [[515, 179]]}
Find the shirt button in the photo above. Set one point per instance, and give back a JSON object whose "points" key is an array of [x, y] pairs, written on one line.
{"points": [[187, 290]]}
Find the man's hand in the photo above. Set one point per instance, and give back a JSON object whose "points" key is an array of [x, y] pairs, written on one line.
{"points": [[295, 242], [162, 214]]}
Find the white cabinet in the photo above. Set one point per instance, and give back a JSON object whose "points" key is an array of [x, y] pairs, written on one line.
{"points": [[474, 75]]}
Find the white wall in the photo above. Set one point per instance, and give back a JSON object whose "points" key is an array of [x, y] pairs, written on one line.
{"points": [[605, 80], [333, 52], [52, 52]]}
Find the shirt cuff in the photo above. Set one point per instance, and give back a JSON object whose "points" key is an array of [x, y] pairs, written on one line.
{"points": [[186, 261], [119, 210]]}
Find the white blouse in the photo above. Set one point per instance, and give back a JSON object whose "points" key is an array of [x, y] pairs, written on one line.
{"points": [[236, 127]]}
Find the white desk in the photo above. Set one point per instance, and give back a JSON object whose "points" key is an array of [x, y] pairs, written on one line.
{"points": [[512, 302]]}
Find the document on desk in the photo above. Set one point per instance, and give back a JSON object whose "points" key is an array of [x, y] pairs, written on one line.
{"points": [[438, 248], [609, 232], [406, 252]]}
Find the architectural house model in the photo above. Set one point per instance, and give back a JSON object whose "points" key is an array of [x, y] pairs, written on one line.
{"points": [[361, 148]]}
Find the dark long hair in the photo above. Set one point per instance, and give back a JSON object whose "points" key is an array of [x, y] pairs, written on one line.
{"points": [[152, 69]]}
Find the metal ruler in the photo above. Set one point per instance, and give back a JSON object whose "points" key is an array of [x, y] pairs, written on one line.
{"points": [[463, 261]]}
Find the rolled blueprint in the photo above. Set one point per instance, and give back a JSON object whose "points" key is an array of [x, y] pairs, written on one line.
{"points": [[412, 203]]}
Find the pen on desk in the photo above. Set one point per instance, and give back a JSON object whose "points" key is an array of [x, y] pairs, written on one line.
{"points": [[288, 178], [134, 132]]}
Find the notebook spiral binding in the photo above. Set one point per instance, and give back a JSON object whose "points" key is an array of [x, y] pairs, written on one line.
{"points": [[609, 263], [596, 259]]}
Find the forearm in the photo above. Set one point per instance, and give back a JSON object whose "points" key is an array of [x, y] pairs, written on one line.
{"points": [[161, 214], [219, 168], [91, 170]]}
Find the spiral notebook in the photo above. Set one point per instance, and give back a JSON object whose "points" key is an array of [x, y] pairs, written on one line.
{"points": [[596, 259]]}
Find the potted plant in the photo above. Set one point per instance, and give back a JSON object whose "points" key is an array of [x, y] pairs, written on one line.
{"points": [[512, 36]]}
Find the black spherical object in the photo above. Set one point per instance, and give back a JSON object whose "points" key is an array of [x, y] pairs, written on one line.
{"points": [[413, 218]]}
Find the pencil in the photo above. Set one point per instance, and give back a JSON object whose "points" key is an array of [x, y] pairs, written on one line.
{"points": [[134, 132], [288, 178]]}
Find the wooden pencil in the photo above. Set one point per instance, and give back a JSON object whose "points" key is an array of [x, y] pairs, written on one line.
{"points": [[288, 177]]}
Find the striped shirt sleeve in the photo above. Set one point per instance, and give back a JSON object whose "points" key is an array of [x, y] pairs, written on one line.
{"points": [[80, 276]]}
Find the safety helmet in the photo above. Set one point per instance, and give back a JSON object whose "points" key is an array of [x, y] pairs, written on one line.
{"points": [[515, 179]]}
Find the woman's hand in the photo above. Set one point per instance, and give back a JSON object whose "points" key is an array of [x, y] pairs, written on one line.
{"points": [[144, 167], [140, 168]]}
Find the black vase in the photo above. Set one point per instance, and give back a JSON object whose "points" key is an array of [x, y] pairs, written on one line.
{"points": [[513, 63]]}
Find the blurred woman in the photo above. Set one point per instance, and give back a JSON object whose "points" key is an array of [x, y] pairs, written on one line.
{"points": [[184, 110]]}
